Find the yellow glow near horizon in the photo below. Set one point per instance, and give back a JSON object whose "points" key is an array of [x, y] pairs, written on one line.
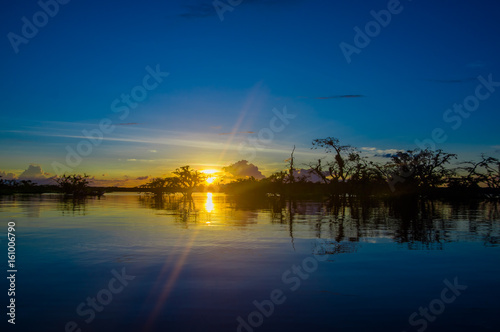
{"points": [[211, 175], [210, 171]]}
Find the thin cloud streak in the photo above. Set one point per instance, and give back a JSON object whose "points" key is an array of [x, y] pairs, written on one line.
{"points": [[461, 80], [238, 132], [198, 11], [207, 9], [334, 97], [201, 143]]}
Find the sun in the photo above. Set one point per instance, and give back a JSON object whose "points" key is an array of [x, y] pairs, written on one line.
{"points": [[211, 177]]}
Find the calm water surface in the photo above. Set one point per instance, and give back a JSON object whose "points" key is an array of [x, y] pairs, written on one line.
{"points": [[210, 263]]}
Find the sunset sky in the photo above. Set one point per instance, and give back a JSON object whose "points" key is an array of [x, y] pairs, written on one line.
{"points": [[271, 73]]}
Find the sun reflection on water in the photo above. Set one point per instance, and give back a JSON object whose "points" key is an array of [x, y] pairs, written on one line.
{"points": [[209, 204]]}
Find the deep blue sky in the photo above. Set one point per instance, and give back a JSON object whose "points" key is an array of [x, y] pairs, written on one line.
{"points": [[228, 76]]}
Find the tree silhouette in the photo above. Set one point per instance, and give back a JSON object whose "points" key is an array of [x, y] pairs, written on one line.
{"points": [[188, 179], [75, 184], [419, 170], [291, 170], [485, 172], [489, 172], [336, 168], [160, 185]]}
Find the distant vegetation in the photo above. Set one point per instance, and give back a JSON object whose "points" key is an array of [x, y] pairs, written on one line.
{"points": [[77, 185], [70, 185], [185, 180], [348, 173], [342, 171], [20, 186]]}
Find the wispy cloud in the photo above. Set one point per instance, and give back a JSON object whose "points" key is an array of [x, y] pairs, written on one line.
{"points": [[128, 124], [476, 64], [198, 11], [157, 138], [334, 97], [238, 132], [382, 153], [460, 80], [141, 160], [206, 8], [111, 182], [168, 138]]}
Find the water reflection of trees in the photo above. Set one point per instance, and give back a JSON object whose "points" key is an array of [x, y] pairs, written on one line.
{"points": [[34, 204], [418, 224], [329, 247], [182, 207], [415, 223], [72, 205]]}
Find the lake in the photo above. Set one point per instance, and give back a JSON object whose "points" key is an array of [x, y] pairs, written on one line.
{"points": [[127, 262]]}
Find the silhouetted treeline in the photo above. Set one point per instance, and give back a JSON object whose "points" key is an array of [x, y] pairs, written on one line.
{"points": [[342, 171], [70, 185], [185, 181], [406, 173], [23, 186]]}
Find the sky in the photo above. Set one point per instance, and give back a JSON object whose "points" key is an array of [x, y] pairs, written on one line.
{"points": [[129, 90]]}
